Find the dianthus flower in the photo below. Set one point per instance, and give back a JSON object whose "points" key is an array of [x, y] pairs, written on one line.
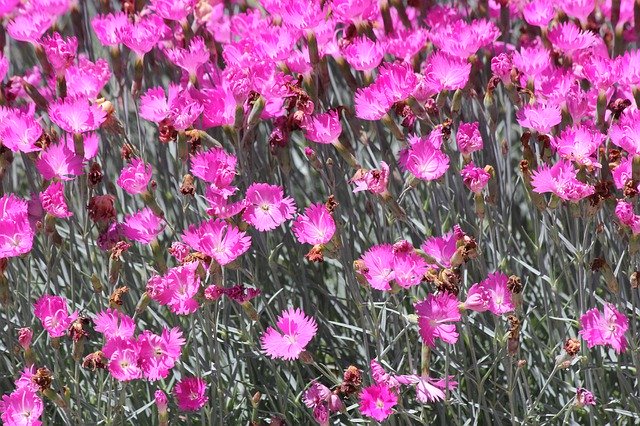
{"points": [[53, 201], [400, 263], [374, 181], [579, 144], [315, 226], [540, 118], [560, 179], [424, 160], [606, 328], [135, 176], [363, 54], [52, 311], [295, 330], [19, 131], [218, 239], [267, 207], [468, 138], [76, 115], [16, 233], [437, 316], [142, 226], [177, 288], [191, 393], [58, 161], [377, 401], [322, 128], [474, 178]]}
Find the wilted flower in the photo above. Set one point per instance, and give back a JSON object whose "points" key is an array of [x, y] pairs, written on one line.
{"points": [[372, 180], [584, 398]]}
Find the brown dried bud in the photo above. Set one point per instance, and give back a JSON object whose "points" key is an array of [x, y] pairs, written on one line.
{"points": [[42, 378], [94, 177], [167, 131], [351, 381], [449, 281], [331, 203], [95, 360], [524, 167], [188, 186], [572, 346], [514, 284], [76, 329], [630, 189], [522, 363], [598, 263], [618, 106], [119, 248], [102, 208], [315, 254], [634, 279], [116, 297], [614, 158], [126, 152]]}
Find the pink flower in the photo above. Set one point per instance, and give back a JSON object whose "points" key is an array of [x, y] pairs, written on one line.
{"points": [[267, 207], [142, 226], [371, 103], [178, 289], [444, 72], [191, 393], [396, 82], [25, 335], [579, 9], [622, 173], [584, 398], [579, 144], [135, 177], [315, 226], [501, 67], [539, 13], [190, 60], [173, 10], [52, 311], [217, 167], [22, 407], [19, 131], [606, 328], [560, 179], [626, 216], [377, 401], [428, 389], [626, 132], [569, 39], [423, 159], [155, 105], [295, 331], [540, 118], [386, 263], [58, 161], [142, 35], [53, 201], [30, 26], [61, 52], [474, 178], [124, 359], [114, 324], [500, 299], [381, 377], [374, 181], [108, 28], [441, 249], [90, 143], [363, 54], [315, 395], [179, 250], [76, 115], [468, 138], [16, 233], [435, 315], [159, 354], [322, 128], [161, 401], [218, 239]]}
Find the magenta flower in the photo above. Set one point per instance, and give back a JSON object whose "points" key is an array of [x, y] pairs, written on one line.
{"points": [[622, 173], [76, 115], [58, 161], [371, 103], [114, 324], [569, 39], [539, 13], [605, 328], [191, 393], [108, 28], [135, 177], [16, 233], [216, 167], [315, 226], [626, 132], [435, 317], [53, 201], [322, 128], [267, 207], [52, 311], [540, 118], [159, 354], [142, 226], [494, 290], [155, 105], [444, 72], [23, 407], [295, 331], [579, 144], [560, 179], [61, 52], [30, 26], [173, 10], [428, 389], [142, 36], [377, 401], [424, 160], [90, 142], [396, 82], [178, 288], [124, 359], [218, 239], [626, 216], [386, 263], [19, 131], [474, 178], [374, 181], [441, 249], [363, 54], [190, 59], [468, 138], [584, 398]]}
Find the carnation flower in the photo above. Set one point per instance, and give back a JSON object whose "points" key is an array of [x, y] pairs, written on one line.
{"points": [[23, 407], [315, 226], [142, 36], [539, 13], [626, 216], [468, 138], [177, 288], [428, 389], [371, 103], [377, 401], [108, 28], [606, 328], [124, 359], [363, 54], [267, 207], [396, 82], [493, 290], [423, 159], [155, 105], [385, 263], [173, 10], [374, 181], [142, 226], [52, 311], [322, 128], [474, 178], [61, 52], [540, 118], [53, 201], [435, 317], [579, 144], [19, 131], [30, 27], [76, 115], [295, 331], [441, 249], [190, 59], [114, 324], [560, 179], [159, 354], [58, 161], [135, 177], [216, 167], [16, 233], [584, 398], [217, 239], [191, 393], [443, 72], [570, 39], [625, 133]]}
